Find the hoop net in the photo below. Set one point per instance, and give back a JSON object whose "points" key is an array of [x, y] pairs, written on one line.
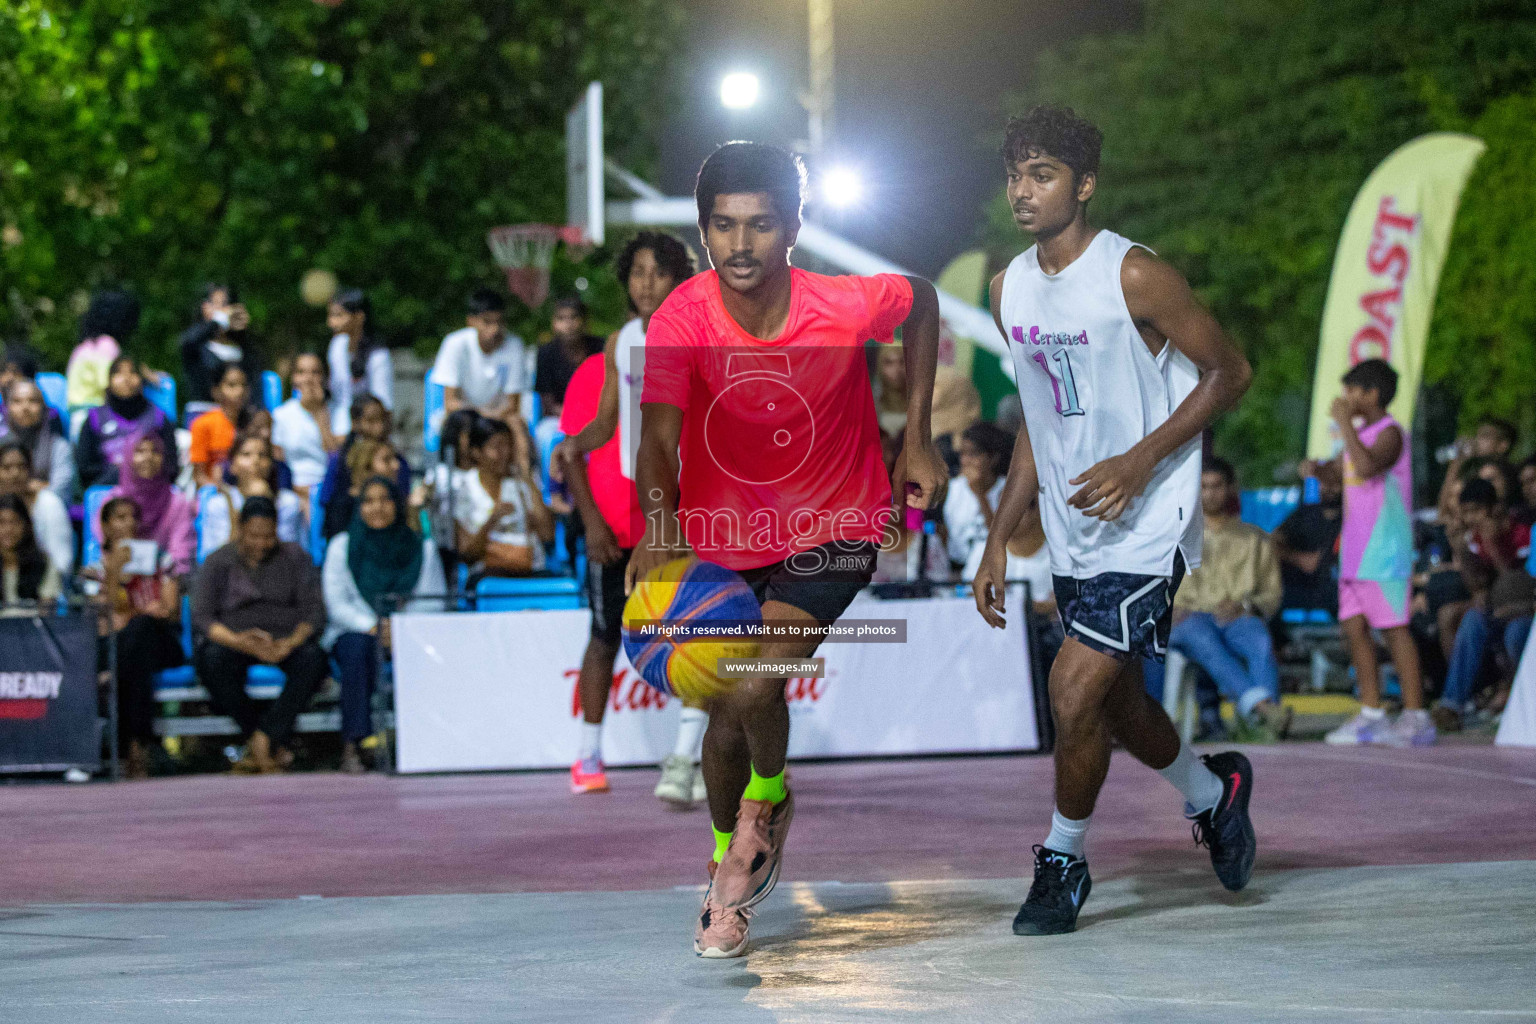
{"points": [[525, 252]]}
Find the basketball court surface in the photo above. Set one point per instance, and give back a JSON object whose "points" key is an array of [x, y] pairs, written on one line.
{"points": [[1391, 886]]}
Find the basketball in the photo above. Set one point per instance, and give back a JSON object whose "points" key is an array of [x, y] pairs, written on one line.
{"points": [[317, 286], [688, 592]]}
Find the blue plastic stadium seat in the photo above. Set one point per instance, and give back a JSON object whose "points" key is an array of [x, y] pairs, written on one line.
{"points": [[55, 389], [432, 416], [262, 682], [511, 594], [271, 389], [180, 677], [162, 395], [203, 494], [90, 540], [316, 526], [1267, 507]]}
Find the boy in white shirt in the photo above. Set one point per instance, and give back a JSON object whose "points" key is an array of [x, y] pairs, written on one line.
{"points": [[482, 366]]}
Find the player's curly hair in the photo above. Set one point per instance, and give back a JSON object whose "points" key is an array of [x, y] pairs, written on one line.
{"points": [[1057, 132], [737, 167], [672, 256]]}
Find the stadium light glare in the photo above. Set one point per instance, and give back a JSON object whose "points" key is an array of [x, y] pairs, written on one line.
{"points": [[842, 187], [739, 90]]}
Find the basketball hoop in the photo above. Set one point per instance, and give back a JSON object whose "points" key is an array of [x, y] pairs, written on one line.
{"points": [[525, 252]]}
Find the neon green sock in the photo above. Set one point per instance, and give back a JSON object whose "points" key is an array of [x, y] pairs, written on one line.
{"points": [[722, 840], [771, 790]]}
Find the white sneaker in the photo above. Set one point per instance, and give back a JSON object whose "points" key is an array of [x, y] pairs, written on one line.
{"points": [[700, 794], [1359, 731], [676, 785], [1412, 729]]}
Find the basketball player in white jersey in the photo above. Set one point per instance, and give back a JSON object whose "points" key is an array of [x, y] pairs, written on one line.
{"points": [[648, 267], [1119, 371]]}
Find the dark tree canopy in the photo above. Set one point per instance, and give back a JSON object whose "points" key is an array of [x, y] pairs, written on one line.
{"points": [[1236, 134], [163, 143]]}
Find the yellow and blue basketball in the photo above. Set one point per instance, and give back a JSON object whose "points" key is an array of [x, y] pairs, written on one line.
{"points": [[690, 593]]}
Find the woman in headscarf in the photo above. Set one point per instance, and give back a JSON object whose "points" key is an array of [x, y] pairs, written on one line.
{"points": [[378, 558], [166, 516], [110, 429], [370, 420], [30, 423]]}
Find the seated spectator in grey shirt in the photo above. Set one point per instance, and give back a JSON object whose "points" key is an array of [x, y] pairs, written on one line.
{"points": [[258, 601]]}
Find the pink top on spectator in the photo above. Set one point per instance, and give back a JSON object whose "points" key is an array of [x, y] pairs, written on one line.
{"points": [[612, 492], [1377, 539]]}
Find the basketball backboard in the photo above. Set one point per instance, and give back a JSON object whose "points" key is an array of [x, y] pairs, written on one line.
{"points": [[584, 164]]}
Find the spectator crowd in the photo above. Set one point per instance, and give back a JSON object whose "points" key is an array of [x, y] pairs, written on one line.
{"points": [[281, 528]]}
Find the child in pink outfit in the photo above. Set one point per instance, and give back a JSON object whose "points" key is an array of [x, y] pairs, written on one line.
{"points": [[1376, 556]]}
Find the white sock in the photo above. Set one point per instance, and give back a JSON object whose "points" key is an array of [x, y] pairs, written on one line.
{"points": [[1201, 787], [1067, 835], [591, 740], [1373, 714], [690, 734]]}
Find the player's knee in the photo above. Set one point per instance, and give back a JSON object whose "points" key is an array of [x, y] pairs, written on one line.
{"points": [[1074, 710], [757, 694]]}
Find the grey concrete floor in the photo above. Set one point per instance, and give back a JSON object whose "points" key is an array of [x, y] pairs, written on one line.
{"points": [[1454, 942]]}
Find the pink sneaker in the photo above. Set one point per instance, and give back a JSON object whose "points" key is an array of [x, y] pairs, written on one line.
{"points": [[587, 776], [750, 869], [721, 932]]}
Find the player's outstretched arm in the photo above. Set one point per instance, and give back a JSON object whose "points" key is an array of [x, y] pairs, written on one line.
{"points": [[597, 432], [1020, 491], [920, 347], [601, 427], [656, 471], [1161, 303]]}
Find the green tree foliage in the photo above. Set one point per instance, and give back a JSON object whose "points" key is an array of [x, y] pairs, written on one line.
{"points": [[1237, 132], [1482, 341], [162, 143]]}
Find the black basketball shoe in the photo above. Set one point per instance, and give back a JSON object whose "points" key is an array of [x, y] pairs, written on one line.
{"points": [[1226, 828], [1061, 886]]}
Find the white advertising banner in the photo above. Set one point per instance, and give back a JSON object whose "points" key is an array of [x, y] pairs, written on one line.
{"points": [[497, 690], [1518, 726]]}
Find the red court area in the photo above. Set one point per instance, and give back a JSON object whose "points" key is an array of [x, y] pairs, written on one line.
{"points": [[231, 838]]}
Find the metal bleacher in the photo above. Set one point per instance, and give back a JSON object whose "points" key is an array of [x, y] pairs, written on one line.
{"points": [[271, 389], [55, 391], [178, 685], [1312, 633], [161, 392]]}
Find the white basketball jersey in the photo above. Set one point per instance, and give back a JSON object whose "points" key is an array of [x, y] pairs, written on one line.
{"points": [[629, 357], [1091, 389]]}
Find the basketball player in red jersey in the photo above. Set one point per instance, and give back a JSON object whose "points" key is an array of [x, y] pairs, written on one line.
{"points": [[760, 451]]}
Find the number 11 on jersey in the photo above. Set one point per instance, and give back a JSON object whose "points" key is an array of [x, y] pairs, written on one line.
{"points": [[1064, 389]]}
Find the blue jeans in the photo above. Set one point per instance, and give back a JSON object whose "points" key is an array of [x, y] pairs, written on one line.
{"points": [[357, 665], [1474, 642], [1239, 657]]}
